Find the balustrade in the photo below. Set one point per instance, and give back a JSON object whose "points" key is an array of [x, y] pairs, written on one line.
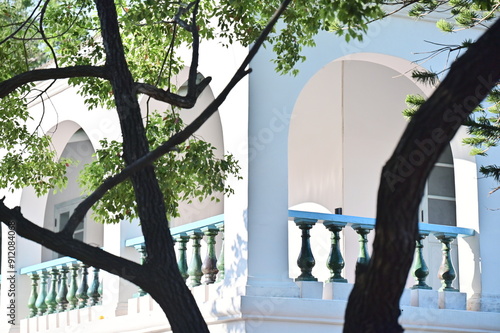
{"points": [[189, 237], [63, 284], [55, 287], [335, 223]]}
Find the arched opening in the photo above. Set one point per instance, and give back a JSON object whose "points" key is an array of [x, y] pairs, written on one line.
{"points": [[345, 125], [61, 204]]}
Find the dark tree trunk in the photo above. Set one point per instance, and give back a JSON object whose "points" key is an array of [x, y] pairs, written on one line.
{"points": [[165, 283], [374, 301]]}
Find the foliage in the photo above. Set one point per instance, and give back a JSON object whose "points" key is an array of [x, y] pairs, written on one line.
{"points": [[483, 125], [192, 171], [62, 33], [27, 159]]}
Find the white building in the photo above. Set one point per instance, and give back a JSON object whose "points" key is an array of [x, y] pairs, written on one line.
{"points": [[306, 145]]}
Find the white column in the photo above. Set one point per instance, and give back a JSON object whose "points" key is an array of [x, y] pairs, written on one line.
{"points": [[267, 216], [116, 291], [489, 234]]}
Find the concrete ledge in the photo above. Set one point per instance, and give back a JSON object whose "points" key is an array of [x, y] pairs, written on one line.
{"points": [[337, 291], [452, 300], [424, 298], [310, 289], [258, 314]]}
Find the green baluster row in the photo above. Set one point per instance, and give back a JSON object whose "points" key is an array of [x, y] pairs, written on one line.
{"points": [[210, 270], [59, 295], [335, 262]]}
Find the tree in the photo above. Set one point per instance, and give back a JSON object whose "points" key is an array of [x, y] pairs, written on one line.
{"points": [[91, 47], [373, 304], [108, 72], [173, 297]]}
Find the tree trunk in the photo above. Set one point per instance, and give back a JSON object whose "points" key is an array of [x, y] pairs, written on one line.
{"points": [[374, 301], [165, 284]]}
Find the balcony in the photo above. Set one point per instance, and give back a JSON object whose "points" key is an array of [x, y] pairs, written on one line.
{"points": [[62, 296]]}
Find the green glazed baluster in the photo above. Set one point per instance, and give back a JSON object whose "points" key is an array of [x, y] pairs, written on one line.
{"points": [[42, 295], [33, 295], [220, 262], [73, 287], [182, 261], [335, 261], [50, 300], [142, 251], [306, 260], [446, 271], [209, 267], [420, 270], [363, 231], [62, 301], [194, 271], [93, 291], [81, 293]]}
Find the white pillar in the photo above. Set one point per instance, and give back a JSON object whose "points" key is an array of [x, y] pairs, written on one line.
{"points": [[489, 234], [267, 216], [117, 291]]}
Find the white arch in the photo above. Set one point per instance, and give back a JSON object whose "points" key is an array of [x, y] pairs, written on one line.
{"points": [[345, 124]]}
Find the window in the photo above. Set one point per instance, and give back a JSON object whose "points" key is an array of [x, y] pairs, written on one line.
{"points": [[438, 203], [62, 213]]}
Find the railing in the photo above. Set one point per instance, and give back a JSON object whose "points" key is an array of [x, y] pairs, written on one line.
{"points": [[53, 291], [207, 271], [335, 262]]}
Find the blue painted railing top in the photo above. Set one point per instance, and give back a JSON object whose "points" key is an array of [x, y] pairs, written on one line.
{"points": [[47, 264], [424, 227], [210, 221]]}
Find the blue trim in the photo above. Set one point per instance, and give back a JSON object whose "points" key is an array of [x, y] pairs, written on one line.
{"points": [[331, 217], [211, 221], [350, 220], [47, 264]]}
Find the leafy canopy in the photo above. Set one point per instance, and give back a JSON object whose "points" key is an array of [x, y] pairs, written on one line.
{"points": [[484, 124], [62, 33], [193, 171]]}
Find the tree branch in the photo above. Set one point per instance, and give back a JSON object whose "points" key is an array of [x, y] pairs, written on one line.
{"points": [[185, 102], [42, 33], [8, 86], [193, 90], [90, 255], [193, 69], [176, 139]]}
